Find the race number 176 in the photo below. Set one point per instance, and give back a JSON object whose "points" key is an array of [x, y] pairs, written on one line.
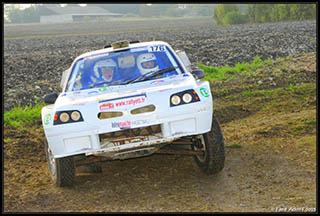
{"points": [[157, 49]]}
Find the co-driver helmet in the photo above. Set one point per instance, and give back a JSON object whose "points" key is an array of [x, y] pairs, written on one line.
{"points": [[147, 62]]}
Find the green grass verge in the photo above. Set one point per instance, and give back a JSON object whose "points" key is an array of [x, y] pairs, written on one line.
{"points": [[303, 89], [283, 99], [227, 72], [19, 117]]}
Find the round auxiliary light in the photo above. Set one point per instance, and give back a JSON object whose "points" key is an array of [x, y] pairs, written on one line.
{"points": [[64, 117], [175, 100], [75, 115], [187, 98]]}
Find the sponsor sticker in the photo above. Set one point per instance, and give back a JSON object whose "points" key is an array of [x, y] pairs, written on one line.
{"points": [[122, 103], [178, 133], [106, 106], [47, 119], [128, 124], [121, 125], [157, 82], [103, 89], [130, 102], [110, 88], [204, 92], [139, 122]]}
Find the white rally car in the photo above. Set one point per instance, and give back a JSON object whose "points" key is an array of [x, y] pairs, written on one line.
{"points": [[130, 100]]}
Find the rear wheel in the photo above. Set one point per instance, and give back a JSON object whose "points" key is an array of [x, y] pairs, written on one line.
{"points": [[212, 143], [62, 170]]}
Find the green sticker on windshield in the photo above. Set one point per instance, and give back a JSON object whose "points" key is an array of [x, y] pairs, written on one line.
{"points": [[204, 92], [103, 89]]}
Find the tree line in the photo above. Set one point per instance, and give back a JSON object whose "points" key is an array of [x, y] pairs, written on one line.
{"points": [[229, 14]]}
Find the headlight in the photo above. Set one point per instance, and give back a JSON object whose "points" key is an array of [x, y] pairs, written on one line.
{"points": [[175, 100], [67, 116], [187, 98], [75, 115], [64, 117], [184, 97]]}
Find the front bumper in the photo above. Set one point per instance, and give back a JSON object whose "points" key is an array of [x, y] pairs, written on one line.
{"points": [[81, 138]]}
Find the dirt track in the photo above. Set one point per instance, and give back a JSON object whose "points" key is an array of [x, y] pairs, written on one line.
{"points": [[270, 159]]}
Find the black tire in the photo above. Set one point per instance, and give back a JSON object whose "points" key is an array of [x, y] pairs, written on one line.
{"points": [[212, 162], [62, 170]]}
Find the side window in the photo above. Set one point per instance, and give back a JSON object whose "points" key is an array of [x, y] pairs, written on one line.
{"points": [[74, 76], [64, 77]]}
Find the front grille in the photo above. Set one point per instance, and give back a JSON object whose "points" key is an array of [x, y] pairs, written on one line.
{"points": [[154, 130]]}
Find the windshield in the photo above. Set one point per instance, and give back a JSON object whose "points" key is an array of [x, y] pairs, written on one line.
{"points": [[121, 67]]}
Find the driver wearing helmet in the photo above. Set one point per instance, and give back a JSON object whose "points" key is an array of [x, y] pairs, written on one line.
{"points": [[104, 71], [147, 62]]}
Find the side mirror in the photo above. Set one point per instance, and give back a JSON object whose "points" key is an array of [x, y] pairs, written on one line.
{"points": [[50, 98], [198, 74]]}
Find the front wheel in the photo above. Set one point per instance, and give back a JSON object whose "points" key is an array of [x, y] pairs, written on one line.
{"points": [[62, 170], [212, 143]]}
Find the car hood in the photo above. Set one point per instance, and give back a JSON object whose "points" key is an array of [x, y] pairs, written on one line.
{"points": [[98, 95]]}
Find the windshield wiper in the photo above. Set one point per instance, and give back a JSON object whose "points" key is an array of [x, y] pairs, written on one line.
{"points": [[97, 84], [151, 73]]}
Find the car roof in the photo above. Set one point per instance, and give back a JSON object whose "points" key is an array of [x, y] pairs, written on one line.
{"points": [[110, 49]]}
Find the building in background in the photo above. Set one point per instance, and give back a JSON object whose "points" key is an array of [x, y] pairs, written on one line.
{"points": [[182, 6], [72, 13]]}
